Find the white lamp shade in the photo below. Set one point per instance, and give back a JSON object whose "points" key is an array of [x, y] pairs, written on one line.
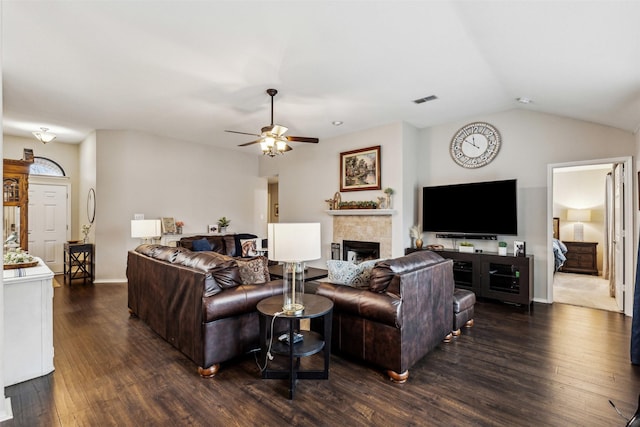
{"points": [[579, 215], [293, 242], [145, 228]]}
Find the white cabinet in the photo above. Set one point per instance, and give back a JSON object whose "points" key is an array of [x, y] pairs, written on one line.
{"points": [[28, 323]]}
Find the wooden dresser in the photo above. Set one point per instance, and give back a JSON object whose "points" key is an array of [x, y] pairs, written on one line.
{"points": [[581, 258]]}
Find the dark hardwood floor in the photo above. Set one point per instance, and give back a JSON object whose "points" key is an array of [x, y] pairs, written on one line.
{"points": [[558, 366]]}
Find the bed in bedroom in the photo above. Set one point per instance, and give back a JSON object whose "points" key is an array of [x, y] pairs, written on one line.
{"points": [[559, 248]]}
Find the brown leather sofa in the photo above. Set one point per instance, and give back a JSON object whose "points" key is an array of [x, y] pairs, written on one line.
{"points": [[404, 313], [227, 244], [196, 302]]}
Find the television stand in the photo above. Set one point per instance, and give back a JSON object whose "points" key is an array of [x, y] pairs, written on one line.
{"points": [[506, 278]]}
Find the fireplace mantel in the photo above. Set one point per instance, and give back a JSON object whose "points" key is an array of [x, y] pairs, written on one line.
{"points": [[361, 212]]}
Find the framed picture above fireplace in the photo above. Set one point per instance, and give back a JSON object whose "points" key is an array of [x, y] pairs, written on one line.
{"points": [[360, 169]]}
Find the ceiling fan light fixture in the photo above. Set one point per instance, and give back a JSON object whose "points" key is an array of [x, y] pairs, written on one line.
{"points": [[44, 135], [271, 138], [281, 146]]}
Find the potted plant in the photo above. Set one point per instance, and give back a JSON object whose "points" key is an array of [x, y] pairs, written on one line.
{"points": [[502, 248], [415, 234], [388, 191], [179, 225], [465, 247], [223, 223]]}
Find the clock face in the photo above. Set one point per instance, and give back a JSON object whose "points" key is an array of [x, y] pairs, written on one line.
{"points": [[475, 145]]}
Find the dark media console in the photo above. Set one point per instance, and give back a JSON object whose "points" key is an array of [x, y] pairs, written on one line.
{"points": [[467, 236], [505, 278]]}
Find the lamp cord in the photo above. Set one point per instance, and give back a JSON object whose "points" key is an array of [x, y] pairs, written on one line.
{"points": [[269, 355]]}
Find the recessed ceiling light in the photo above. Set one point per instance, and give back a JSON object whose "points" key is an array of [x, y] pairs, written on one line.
{"points": [[425, 99], [337, 122], [524, 100]]}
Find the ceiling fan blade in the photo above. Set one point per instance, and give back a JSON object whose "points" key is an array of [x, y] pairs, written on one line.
{"points": [[249, 143], [279, 130], [242, 133], [302, 139]]}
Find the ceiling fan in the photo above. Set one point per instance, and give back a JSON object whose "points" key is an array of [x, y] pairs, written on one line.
{"points": [[271, 138]]}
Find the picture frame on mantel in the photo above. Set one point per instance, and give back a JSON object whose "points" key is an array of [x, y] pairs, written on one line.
{"points": [[360, 169]]}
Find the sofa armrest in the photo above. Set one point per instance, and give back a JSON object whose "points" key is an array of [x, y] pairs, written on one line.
{"points": [[239, 300], [380, 307]]}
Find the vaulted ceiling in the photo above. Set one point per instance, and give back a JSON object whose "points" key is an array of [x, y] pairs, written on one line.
{"points": [[191, 69]]}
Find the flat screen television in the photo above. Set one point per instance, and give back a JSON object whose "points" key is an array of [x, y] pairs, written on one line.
{"points": [[473, 208]]}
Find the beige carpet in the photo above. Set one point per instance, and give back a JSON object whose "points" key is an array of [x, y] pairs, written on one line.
{"points": [[584, 290]]}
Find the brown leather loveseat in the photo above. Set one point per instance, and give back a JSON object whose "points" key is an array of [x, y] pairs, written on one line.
{"points": [[197, 302], [404, 313]]}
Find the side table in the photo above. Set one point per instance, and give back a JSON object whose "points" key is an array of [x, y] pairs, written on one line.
{"points": [[79, 262], [315, 306], [310, 273]]}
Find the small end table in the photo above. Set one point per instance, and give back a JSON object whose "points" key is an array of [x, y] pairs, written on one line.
{"points": [[310, 273], [315, 306], [78, 262]]}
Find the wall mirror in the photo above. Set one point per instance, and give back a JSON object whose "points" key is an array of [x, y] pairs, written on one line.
{"points": [[91, 205]]}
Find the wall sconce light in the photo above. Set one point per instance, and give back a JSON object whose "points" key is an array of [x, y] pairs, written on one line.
{"points": [[579, 216]]}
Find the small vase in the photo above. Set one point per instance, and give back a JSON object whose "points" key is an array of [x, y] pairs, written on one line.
{"points": [[419, 243], [178, 230], [388, 201], [502, 250]]}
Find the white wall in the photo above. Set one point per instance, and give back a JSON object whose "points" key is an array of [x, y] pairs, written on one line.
{"points": [[310, 174], [66, 155], [163, 177], [530, 141]]}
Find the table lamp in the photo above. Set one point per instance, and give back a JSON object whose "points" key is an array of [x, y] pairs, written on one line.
{"points": [[146, 229], [292, 244], [578, 216]]}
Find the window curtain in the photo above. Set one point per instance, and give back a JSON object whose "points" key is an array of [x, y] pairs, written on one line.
{"points": [[635, 325], [607, 255]]}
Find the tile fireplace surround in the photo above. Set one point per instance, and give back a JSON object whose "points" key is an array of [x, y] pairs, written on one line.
{"points": [[369, 228]]}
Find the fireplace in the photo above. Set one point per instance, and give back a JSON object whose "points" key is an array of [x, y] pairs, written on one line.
{"points": [[357, 251]]}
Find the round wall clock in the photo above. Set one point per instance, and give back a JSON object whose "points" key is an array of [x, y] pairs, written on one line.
{"points": [[475, 145]]}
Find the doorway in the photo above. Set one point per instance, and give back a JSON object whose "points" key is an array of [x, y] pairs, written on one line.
{"points": [[590, 261], [272, 197]]}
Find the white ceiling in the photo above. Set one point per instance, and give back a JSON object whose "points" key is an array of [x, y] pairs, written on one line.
{"points": [[191, 69]]}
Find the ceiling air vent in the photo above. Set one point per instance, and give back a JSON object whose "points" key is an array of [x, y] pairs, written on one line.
{"points": [[425, 99]]}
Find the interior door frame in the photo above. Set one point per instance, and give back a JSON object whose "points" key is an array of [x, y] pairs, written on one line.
{"points": [[628, 234]]}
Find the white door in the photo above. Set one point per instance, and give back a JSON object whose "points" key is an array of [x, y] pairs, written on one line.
{"points": [[48, 223], [618, 233]]}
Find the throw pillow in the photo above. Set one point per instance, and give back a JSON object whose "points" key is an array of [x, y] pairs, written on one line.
{"points": [[363, 274], [254, 270], [201, 245], [249, 247], [237, 238], [341, 272]]}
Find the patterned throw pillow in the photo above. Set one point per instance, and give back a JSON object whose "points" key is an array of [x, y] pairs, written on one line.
{"points": [[254, 270], [350, 274], [341, 272], [364, 274], [249, 248]]}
